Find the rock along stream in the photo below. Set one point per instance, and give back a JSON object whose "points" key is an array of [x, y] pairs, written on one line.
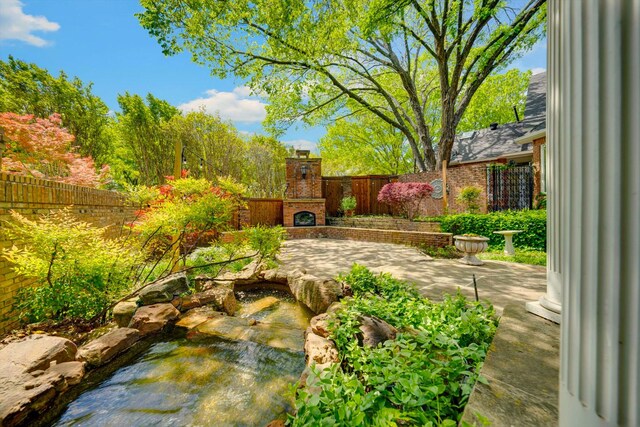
{"points": [[203, 380]]}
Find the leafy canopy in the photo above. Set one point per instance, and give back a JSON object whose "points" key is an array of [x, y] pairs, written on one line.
{"points": [[27, 89], [311, 58]]}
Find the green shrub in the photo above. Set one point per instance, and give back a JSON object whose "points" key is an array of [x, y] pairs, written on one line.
{"points": [[469, 198], [532, 222], [77, 271], [423, 377], [266, 241], [348, 203]]}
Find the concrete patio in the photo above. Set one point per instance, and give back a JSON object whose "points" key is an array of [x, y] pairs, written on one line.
{"points": [[499, 282]]}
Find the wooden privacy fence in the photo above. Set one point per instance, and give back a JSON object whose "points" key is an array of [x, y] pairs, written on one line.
{"points": [[261, 212], [364, 188]]}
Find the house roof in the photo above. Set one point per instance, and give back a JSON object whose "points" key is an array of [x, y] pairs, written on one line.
{"points": [[485, 144]]}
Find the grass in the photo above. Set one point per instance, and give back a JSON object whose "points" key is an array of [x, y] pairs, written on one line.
{"points": [[522, 255], [447, 252]]}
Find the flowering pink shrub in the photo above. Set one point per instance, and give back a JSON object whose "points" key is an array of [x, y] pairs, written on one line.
{"points": [[405, 196]]}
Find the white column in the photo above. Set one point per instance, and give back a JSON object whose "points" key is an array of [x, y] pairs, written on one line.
{"points": [[594, 206], [549, 305]]}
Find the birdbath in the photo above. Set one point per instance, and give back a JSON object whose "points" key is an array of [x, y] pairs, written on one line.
{"points": [[508, 240]]}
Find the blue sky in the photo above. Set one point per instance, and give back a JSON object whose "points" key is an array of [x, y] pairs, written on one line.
{"points": [[101, 41]]}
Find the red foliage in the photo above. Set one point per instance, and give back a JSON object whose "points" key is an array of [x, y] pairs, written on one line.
{"points": [[405, 196], [42, 148]]}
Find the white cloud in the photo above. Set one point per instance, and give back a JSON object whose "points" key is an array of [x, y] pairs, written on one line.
{"points": [[16, 25], [302, 144], [538, 70], [235, 105]]}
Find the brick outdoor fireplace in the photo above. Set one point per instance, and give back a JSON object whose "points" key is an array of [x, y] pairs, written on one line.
{"points": [[303, 205]]}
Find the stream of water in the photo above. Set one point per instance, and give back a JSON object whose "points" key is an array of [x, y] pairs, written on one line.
{"points": [[209, 382]]}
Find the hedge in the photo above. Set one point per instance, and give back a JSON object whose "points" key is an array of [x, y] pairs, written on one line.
{"points": [[532, 222]]}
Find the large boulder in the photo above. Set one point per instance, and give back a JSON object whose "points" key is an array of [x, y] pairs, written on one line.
{"points": [[374, 331], [72, 372], [25, 396], [32, 373], [275, 276], [153, 318], [165, 289], [101, 350], [317, 294], [249, 275], [319, 350], [123, 312], [222, 299], [196, 317], [37, 352]]}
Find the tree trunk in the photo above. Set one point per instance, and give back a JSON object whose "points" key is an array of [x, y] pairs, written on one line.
{"points": [[447, 131]]}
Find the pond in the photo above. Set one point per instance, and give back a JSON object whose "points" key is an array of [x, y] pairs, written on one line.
{"points": [[181, 382]]}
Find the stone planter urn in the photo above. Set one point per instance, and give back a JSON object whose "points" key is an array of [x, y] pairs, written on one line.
{"points": [[471, 245]]}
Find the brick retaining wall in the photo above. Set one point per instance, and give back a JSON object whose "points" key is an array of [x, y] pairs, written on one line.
{"points": [[413, 238], [384, 223], [32, 198]]}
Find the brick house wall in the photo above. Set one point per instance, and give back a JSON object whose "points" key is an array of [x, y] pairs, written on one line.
{"points": [[33, 198]]}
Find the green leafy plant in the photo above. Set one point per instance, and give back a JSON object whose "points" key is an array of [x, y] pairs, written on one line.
{"points": [[423, 377], [348, 204], [77, 271], [532, 222], [468, 197], [186, 210], [265, 241]]}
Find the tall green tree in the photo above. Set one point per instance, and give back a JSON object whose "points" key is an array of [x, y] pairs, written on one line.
{"points": [[142, 140], [495, 99], [265, 166], [363, 144], [28, 89], [212, 147], [310, 57]]}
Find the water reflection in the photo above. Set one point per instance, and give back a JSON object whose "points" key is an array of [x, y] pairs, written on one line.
{"points": [[208, 382]]}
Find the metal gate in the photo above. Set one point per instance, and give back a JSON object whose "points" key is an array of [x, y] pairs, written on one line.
{"points": [[509, 187]]}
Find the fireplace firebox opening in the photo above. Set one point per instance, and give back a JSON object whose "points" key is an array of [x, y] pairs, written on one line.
{"points": [[304, 219]]}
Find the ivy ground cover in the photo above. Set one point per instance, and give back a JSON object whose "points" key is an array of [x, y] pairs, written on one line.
{"points": [[423, 377]]}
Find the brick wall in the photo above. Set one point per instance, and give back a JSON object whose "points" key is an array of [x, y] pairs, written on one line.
{"points": [[35, 197], [389, 223], [413, 238], [458, 177]]}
